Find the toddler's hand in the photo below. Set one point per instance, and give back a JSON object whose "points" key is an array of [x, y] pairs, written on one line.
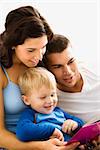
{"points": [[57, 134], [69, 126]]}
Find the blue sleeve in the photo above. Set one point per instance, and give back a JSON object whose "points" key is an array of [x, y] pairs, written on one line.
{"points": [[69, 116], [27, 130]]}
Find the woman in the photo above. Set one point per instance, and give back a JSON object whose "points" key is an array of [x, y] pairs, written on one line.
{"points": [[22, 45]]}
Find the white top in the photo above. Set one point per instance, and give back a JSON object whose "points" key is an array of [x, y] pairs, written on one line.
{"points": [[84, 104]]}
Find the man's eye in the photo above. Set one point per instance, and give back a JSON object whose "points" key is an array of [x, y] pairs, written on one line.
{"points": [[43, 97], [71, 61], [30, 51], [59, 66]]}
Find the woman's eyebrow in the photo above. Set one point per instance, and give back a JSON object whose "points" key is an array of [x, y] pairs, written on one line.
{"points": [[30, 48]]}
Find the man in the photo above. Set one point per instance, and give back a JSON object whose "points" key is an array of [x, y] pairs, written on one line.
{"points": [[78, 88]]}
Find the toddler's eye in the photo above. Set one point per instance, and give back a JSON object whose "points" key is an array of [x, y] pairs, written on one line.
{"points": [[51, 95]]}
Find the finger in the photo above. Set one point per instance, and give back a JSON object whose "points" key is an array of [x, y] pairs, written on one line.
{"points": [[69, 129], [94, 143], [82, 147], [74, 126], [57, 142], [61, 138], [64, 129], [72, 146]]}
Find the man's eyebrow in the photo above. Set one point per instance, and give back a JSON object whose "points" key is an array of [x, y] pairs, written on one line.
{"points": [[71, 59], [56, 65], [44, 46]]}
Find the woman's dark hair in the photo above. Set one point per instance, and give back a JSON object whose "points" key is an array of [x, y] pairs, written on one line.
{"points": [[21, 23]]}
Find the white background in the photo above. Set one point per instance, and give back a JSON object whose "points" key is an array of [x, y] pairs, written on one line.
{"points": [[79, 20]]}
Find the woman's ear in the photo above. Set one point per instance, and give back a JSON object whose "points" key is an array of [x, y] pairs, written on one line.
{"points": [[25, 100]]}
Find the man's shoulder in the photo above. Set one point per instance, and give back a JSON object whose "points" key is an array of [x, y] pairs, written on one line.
{"points": [[87, 72]]}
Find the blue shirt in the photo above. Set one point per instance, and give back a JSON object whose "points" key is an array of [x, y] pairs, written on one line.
{"points": [[36, 126]]}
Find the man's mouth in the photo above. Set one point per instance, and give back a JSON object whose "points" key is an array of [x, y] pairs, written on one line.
{"points": [[68, 79]]}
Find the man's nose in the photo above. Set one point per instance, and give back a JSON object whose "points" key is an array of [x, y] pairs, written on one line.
{"points": [[67, 70]]}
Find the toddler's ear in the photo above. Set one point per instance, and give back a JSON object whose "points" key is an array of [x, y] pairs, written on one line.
{"points": [[25, 100]]}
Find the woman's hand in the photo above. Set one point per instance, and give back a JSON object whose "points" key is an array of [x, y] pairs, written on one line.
{"points": [[93, 145], [56, 144]]}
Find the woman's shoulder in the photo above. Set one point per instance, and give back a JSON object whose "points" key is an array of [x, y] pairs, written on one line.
{"points": [[3, 79]]}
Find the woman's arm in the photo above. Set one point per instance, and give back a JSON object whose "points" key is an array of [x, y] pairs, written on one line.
{"points": [[8, 140]]}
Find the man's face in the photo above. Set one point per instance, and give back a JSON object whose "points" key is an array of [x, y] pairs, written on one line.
{"points": [[64, 67]]}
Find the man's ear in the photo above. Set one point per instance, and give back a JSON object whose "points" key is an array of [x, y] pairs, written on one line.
{"points": [[25, 100]]}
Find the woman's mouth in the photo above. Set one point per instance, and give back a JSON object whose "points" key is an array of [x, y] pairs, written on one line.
{"points": [[34, 62]]}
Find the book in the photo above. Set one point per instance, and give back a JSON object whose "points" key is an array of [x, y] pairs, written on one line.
{"points": [[86, 133]]}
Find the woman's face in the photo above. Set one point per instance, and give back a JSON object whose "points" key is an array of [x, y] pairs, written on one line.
{"points": [[31, 51]]}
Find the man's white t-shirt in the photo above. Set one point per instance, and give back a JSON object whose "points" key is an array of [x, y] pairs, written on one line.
{"points": [[84, 104]]}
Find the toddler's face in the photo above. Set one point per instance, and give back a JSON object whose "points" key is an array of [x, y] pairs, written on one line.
{"points": [[44, 100]]}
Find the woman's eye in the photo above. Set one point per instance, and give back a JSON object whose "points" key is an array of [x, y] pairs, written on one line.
{"points": [[31, 50]]}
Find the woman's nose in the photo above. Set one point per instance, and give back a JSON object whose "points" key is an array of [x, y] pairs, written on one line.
{"points": [[40, 54]]}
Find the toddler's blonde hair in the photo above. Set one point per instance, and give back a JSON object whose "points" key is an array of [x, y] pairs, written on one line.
{"points": [[34, 79]]}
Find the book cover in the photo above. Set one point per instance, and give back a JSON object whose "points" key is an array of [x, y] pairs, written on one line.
{"points": [[86, 133]]}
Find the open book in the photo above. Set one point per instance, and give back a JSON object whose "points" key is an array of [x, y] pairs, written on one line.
{"points": [[86, 133]]}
